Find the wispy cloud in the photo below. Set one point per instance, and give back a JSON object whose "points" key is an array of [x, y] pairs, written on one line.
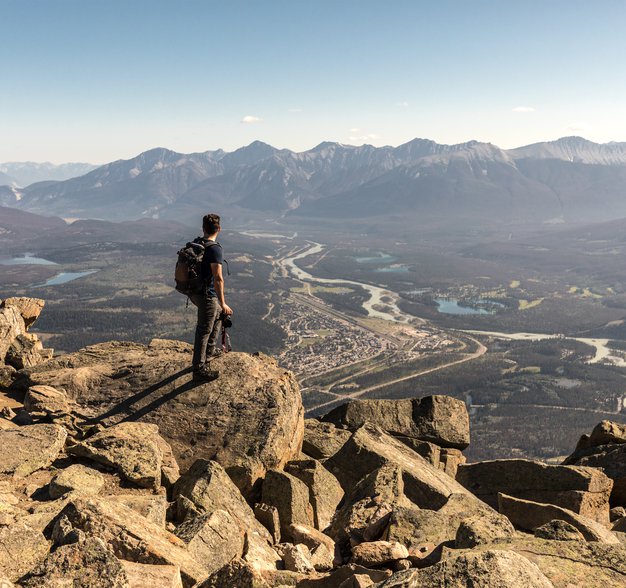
{"points": [[523, 109], [250, 120], [364, 138], [295, 110], [402, 104], [578, 127], [355, 130]]}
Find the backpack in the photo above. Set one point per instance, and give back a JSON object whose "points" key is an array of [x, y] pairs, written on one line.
{"points": [[187, 274]]}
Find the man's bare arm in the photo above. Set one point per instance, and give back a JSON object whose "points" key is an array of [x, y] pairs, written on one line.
{"points": [[218, 284]]}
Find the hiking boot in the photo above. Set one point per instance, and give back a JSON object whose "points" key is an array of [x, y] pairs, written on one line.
{"points": [[205, 375], [215, 352]]}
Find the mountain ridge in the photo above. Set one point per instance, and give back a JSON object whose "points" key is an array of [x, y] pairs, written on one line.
{"points": [[541, 181]]}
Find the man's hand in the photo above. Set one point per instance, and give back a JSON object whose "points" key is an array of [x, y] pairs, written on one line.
{"points": [[227, 310]]}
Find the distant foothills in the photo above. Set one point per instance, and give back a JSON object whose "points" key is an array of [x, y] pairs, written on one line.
{"points": [[571, 180]]}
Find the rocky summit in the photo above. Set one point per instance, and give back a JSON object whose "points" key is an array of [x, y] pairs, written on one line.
{"points": [[117, 470]]}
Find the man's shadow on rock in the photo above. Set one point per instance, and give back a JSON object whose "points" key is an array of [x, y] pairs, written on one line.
{"points": [[124, 407], [136, 415]]}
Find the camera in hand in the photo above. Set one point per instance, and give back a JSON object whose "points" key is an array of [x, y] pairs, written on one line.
{"points": [[226, 320]]}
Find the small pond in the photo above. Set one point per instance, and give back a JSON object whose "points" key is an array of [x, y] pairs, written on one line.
{"points": [[28, 259], [452, 306], [64, 278]]}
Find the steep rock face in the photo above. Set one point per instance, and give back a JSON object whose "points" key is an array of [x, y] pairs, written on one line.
{"points": [[250, 420]]}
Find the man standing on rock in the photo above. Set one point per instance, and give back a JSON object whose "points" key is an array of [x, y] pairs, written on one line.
{"points": [[210, 302]]}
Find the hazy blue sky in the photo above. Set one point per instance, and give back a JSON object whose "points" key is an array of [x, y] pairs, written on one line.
{"points": [[98, 80]]}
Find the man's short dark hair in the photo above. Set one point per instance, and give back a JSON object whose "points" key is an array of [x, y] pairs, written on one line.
{"points": [[211, 223]]}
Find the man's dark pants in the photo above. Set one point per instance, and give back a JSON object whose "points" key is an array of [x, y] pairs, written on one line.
{"points": [[207, 328]]}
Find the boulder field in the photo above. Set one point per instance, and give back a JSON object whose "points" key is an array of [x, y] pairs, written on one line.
{"points": [[116, 470]]}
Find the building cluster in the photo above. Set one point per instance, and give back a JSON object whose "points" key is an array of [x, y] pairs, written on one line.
{"points": [[318, 342]]}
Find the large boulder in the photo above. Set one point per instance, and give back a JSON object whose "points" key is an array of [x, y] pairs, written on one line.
{"points": [[440, 419], [250, 419], [76, 478], [367, 507], [46, 400], [606, 433], [26, 351], [214, 539], [205, 488], [132, 449], [325, 492], [611, 459], [370, 448], [30, 448], [462, 519], [290, 496], [528, 515], [488, 569], [580, 489], [29, 308], [131, 536]]}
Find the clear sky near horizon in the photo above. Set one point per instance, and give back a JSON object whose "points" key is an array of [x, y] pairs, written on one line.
{"points": [[97, 81]]}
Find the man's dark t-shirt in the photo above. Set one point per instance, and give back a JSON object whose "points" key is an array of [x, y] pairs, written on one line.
{"points": [[212, 254]]}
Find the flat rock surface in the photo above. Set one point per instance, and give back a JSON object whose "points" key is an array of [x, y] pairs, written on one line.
{"points": [[142, 575], [76, 478], [21, 549], [567, 564], [88, 565], [130, 448], [489, 569], [250, 419], [27, 449]]}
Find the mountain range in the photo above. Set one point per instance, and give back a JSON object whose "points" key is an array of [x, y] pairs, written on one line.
{"points": [[568, 180], [24, 173]]}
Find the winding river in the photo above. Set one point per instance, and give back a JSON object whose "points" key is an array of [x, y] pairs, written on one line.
{"points": [[388, 309], [375, 306]]}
